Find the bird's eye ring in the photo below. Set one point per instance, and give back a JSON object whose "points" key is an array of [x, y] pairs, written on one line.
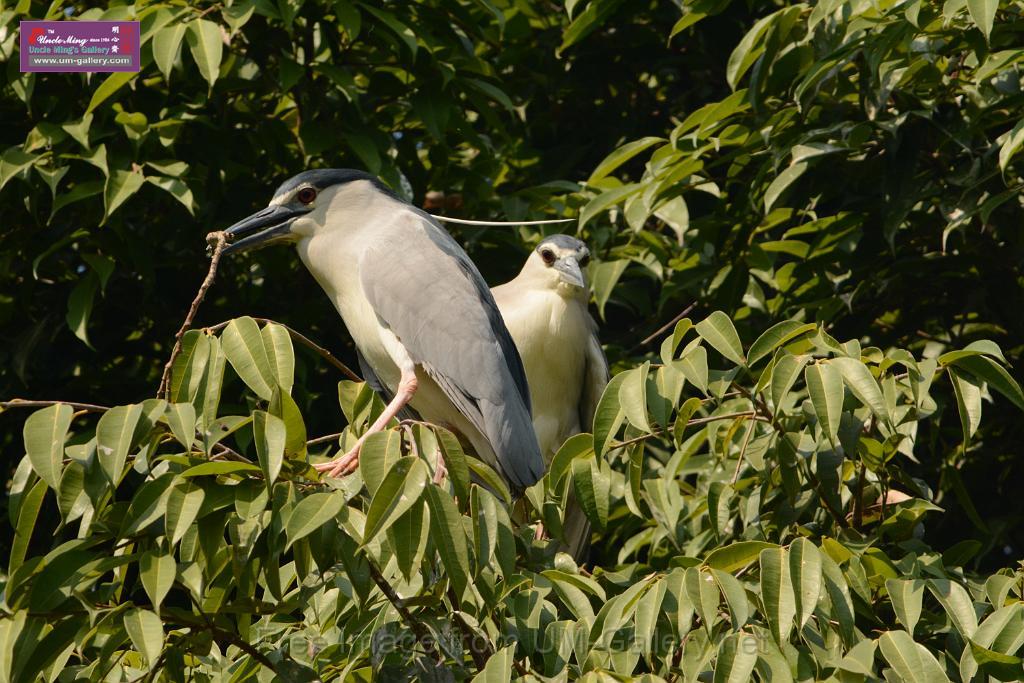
{"points": [[548, 256], [306, 195]]}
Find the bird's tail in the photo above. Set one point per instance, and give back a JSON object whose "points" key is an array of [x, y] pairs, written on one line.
{"points": [[510, 432]]}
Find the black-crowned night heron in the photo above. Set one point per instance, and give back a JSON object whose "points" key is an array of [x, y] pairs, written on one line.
{"points": [[419, 312], [545, 309]]}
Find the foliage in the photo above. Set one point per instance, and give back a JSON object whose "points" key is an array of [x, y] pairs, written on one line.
{"points": [[767, 501], [755, 510], [864, 171]]}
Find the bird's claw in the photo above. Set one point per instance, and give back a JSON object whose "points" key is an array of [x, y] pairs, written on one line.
{"points": [[340, 467]]}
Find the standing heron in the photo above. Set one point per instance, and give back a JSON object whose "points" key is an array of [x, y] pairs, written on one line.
{"points": [[425, 325], [545, 309]]}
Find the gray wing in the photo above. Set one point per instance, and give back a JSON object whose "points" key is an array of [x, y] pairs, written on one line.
{"points": [[595, 378], [406, 413], [423, 286]]}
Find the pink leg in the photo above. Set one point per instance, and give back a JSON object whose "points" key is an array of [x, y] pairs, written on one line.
{"points": [[347, 463]]}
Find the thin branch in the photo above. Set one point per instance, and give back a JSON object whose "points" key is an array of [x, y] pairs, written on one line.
{"points": [[419, 630], [220, 239], [305, 341], [743, 453], [685, 312], [750, 415], [324, 439], [27, 403]]}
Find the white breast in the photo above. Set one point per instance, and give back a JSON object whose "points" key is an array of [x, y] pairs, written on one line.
{"points": [[550, 332]]}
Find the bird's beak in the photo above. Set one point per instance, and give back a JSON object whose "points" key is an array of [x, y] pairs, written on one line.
{"points": [[569, 270], [272, 224]]}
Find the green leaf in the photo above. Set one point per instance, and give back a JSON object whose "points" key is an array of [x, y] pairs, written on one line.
{"points": [[114, 439], [189, 367], [718, 331], [270, 435], [736, 597], [283, 406], [633, 397], [605, 201], [157, 572], [28, 512], [785, 372], [805, 572], [983, 14], [603, 277], [825, 387], [166, 43], [737, 656], [906, 597], [108, 87], [595, 14], [183, 503], [177, 188], [1000, 666], [1012, 141], [968, 399], [648, 609], [80, 303], [455, 462], [694, 366], [14, 161], [720, 497], [379, 453], [311, 513], [120, 186], [404, 33], [498, 668], [207, 47], [839, 595], [280, 355], [958, 605], [863, 385], [621, 156], [781, 183], [911, 661], [776, 336], [592, 487], [736, 556], [401, 488], [181, 418], [449, 536], [777, 593], [995, 375], [609, 414], [408, 536], [748, 50], [243, 345], [146, 633], [219, 467], [44, 434], [703, 595]]}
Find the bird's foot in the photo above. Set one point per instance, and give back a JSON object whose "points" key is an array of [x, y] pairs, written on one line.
{"points": [[341, 466], [440, 471]]}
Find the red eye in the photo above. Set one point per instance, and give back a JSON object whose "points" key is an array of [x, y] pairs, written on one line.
{"points": [[306, 195], [548, 256]]}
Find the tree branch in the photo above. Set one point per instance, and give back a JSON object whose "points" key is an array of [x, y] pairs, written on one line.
{"points": [[220, 239], [419, 630], [665, 327], [27, 403]]}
